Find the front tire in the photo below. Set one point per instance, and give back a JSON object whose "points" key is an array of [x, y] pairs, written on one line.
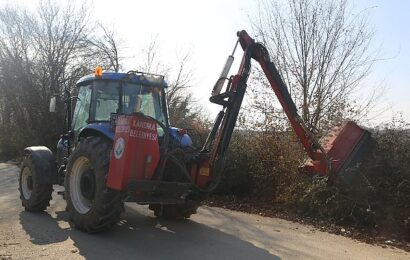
{"points": [[34, 196], [92, 206]]}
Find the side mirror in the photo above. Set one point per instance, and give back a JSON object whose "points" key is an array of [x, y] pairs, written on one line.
{"points": [[53, 102]]}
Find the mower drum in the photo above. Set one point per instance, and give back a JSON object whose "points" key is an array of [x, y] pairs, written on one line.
{"points": [[345, 147]]}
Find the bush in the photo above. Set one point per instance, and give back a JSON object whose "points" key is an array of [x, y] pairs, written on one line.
{"points": [[384, 200], [262, 164], [237, 175]]}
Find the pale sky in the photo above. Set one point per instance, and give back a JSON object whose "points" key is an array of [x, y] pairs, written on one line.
{"points": [[208, 30]]}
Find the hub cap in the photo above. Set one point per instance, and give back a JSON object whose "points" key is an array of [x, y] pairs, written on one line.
{"points": [[82, 185], [26, 183], [87, 184]]}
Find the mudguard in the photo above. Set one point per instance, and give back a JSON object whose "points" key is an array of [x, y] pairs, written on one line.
{"points": [[93, 129], [44, 163]]}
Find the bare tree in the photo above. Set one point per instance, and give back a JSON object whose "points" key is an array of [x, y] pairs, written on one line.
{"points": [[18, 86], [151, 59], [179, 96], [322, 50], [184, 111], [179, 79], [60, 33], [41, 53], [106, 47]]}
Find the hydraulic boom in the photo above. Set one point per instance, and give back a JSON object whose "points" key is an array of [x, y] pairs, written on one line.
{"points": [[342, 148]]}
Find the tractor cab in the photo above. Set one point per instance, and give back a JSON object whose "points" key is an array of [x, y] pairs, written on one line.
{"points": [[102, 96]]}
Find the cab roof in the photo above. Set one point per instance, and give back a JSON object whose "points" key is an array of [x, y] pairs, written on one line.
{"points": [[133, 76]]}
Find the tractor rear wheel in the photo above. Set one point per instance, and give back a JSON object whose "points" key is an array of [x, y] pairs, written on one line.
{"points": [[92, 206], [174, 211], [34, 196]]}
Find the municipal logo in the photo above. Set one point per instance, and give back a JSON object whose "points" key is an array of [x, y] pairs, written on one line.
{"points": [[119, 148]]}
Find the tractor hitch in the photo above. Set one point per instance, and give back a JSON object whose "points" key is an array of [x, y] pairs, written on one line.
{"points": [[163, 192]]}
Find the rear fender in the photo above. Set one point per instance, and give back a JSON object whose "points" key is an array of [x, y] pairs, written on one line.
{"points": [[97, 129], [44, 163]]}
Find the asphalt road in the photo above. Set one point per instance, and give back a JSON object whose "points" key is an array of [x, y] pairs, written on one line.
{"points": [[213, 233]]}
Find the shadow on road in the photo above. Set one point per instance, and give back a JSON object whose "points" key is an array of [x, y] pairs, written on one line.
{"points": [[142, 236]]}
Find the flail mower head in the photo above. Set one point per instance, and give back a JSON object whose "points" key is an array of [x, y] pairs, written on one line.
{"points": [[345, 147]]}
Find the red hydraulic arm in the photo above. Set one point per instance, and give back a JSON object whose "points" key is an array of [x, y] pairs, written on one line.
{"points": [[342, 148], [231, 100], [260, 54]]}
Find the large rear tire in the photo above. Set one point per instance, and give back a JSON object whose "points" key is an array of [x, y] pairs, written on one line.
{"points": [[92, 206], [34, 196]]}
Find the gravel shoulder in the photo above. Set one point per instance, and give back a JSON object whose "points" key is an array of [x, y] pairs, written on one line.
{"points": [[213, 233]]}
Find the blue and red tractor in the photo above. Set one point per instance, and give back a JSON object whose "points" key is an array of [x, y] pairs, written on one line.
{"points": [[120, 146]]}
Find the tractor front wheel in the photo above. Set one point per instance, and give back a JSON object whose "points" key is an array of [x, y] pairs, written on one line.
{"points": [[34, 195], [92, 206]]}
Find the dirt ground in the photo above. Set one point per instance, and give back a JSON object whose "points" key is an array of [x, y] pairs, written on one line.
{"points": [[213, 233]]}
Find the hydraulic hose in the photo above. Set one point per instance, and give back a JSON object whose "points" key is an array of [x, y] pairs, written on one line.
{"points": [[182, 166], [170, 156], [165, 156]]}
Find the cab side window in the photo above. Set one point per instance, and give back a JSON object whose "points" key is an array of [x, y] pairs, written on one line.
{"points": [[82, 109]]}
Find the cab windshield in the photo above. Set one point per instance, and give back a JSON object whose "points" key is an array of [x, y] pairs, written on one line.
{"points": [[135, 98], [97, 101]]}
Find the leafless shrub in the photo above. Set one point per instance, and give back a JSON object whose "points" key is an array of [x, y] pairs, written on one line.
{"points": [[386, 205]]}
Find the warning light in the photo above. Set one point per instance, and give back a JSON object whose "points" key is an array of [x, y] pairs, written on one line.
{"points": [[98, 71]]}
